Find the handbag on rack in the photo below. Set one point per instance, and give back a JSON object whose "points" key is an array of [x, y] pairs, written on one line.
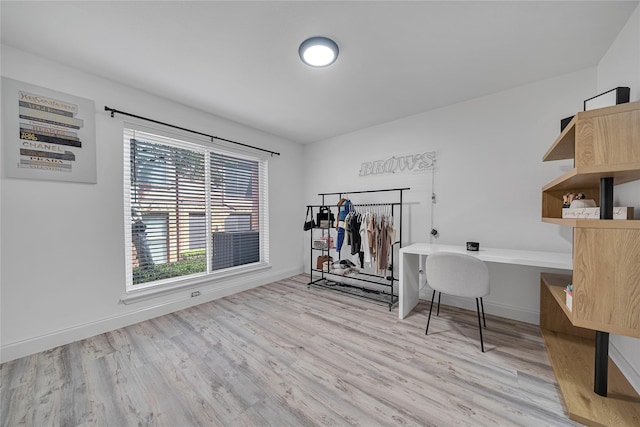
{"points": [[308, 225], [324, 242], [323, 259], [325, 217]]}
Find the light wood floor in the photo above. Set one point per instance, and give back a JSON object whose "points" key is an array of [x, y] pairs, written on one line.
{"points": [[286, 355]]}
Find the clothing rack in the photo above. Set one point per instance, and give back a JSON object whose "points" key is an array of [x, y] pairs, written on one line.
{"points": [[356, 285]]}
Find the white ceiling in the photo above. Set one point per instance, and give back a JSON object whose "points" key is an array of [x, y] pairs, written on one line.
{"points": [[239, 59]]}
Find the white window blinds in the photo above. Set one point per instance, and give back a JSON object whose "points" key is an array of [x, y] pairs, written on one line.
{"points": [[190, 209]]}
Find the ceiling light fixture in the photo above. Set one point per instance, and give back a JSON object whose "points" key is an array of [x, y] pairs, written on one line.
{"points": [[318, 51]]}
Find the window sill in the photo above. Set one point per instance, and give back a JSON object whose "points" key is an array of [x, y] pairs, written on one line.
{"points": [[139, 295]]}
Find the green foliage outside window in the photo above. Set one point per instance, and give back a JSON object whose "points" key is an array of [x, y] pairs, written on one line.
{"points": [[192, 261]]}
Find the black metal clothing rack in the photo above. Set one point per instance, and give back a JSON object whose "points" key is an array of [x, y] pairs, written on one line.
{"points": [[328, 280]]}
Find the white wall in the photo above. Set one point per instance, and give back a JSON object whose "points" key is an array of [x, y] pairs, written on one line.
{"points": [[621, 67], [488, 180], [63, 260]]}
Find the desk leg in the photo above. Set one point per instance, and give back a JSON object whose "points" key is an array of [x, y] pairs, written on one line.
{"points": [[409, 284]]}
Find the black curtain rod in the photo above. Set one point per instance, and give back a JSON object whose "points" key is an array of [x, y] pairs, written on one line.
{"points": [[114, 111]]}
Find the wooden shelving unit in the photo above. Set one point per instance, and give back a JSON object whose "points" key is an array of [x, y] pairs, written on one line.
{"points": [[564, 147], [571, 351], [589, 176], [594, 223], [604, 143]]}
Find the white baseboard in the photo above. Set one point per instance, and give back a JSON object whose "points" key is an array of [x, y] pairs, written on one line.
{"points": [[48, 341], [625, 367], [496, 309]]}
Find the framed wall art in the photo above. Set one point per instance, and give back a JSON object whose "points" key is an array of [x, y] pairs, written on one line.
{"points": [[47, 135]]}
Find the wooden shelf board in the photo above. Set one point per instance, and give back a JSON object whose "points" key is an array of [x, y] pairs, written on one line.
{"points": [[556, 283], [614, 109], [573, 359], [589, 176], [564, 146], [556, 279], [595, 223], [561, 221]]}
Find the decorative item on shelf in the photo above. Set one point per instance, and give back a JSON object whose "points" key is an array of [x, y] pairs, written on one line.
{"points": [[569, 296], [568, 198], [594, 213], [583, 203], [473, 246], [619, 95]]}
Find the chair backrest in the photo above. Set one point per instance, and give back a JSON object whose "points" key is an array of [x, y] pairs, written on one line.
{"points": [[457, 274]]}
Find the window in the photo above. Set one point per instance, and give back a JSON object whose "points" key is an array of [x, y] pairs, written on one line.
{"points": [[197, 231], [190, 210], [156, 228]]}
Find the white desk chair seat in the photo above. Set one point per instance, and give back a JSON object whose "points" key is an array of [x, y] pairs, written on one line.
{"points": [[460, 275]]}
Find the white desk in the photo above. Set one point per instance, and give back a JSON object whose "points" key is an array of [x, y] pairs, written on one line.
{"points": [[410, 265]]}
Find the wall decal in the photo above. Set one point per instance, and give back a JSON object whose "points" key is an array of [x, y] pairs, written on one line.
{"points": [[412, 163], [47, 135]]}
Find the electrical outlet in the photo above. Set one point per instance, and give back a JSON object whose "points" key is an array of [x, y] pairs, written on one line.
{"points": [[195, 294]]}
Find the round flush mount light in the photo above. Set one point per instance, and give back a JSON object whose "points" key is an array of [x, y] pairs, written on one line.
{"points": [[318, 51]]}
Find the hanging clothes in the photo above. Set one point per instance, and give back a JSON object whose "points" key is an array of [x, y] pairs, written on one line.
{"points": [[383, 247], [372, 231], [391, 232], [370, 234], [347, 229], [354, 222], [354, 232], [344, 207], [364, 238]]}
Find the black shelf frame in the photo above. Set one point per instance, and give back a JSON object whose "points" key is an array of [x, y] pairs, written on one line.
{"points": [[385, 281]]}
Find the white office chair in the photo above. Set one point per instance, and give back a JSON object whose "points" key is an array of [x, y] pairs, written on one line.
{"points": [[460, 275]]}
